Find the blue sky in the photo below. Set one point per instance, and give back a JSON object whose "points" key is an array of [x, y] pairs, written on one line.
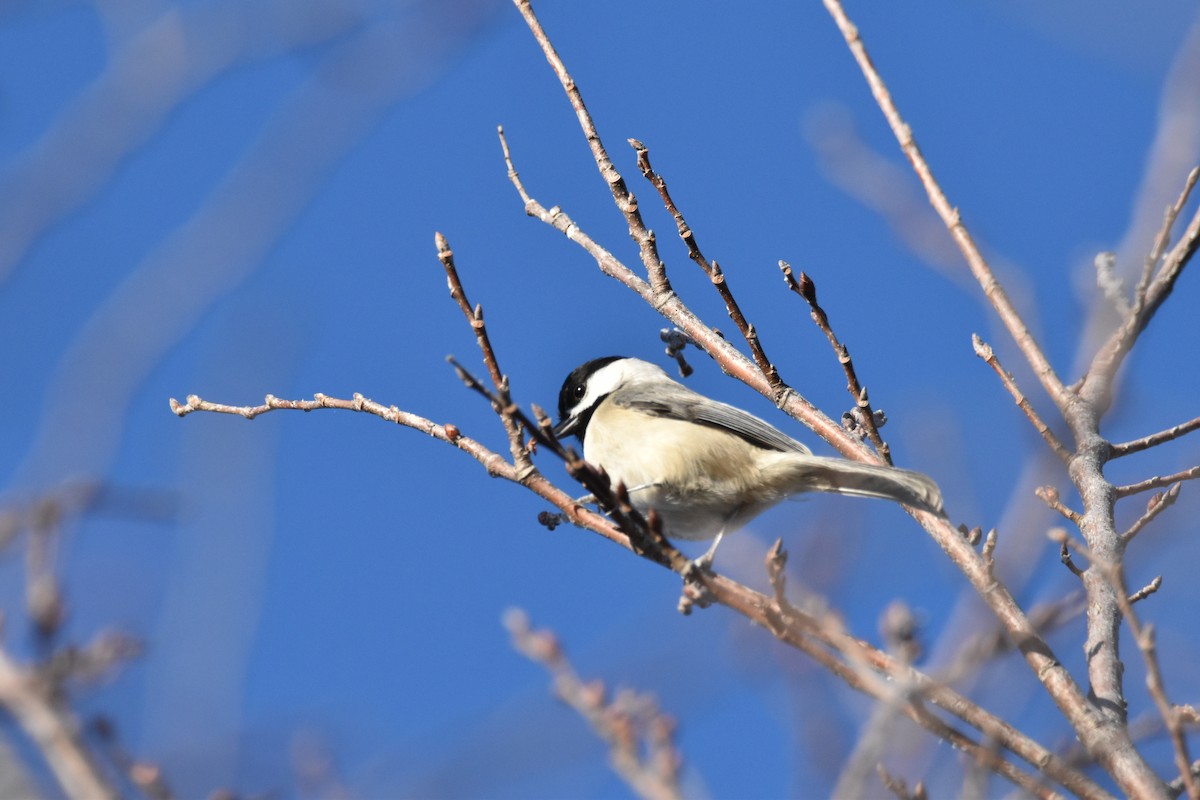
{"points": [[235, 199]]}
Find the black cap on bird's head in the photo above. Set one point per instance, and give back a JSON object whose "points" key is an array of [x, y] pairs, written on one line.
{"points": [[573, 416]]}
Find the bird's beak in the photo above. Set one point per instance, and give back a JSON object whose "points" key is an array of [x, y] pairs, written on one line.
{"points": [[566, 427]]}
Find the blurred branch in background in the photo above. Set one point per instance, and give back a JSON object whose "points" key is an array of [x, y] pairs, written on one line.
{"points": [[639, 735], [39, 693]]}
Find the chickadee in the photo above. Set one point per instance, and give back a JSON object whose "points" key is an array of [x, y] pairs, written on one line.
{"points": [[707, 468]]}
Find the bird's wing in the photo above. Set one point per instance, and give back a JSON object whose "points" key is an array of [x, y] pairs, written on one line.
{"points": [[680, 402]]}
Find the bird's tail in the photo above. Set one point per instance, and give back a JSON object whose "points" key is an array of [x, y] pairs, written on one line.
{"points": [[841, 476]]}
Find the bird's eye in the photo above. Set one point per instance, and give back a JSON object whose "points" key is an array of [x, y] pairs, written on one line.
{"points": [[578, 391]]}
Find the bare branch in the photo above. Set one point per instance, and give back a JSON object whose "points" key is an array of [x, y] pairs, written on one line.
{"points": [[806, 288], [624, 198], [984, 351], [1155, 439], [1160, 242], [950, 215], [1147, 590], [1050, 496], [1159, 502], [1096, 385], [712, 270], [474, 317], [1157, 482], [1064, 555]]}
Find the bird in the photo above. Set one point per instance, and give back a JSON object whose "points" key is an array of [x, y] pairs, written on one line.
{"points": [[707, 468]]}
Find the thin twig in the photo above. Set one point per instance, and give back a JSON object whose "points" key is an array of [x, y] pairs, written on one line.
{"points": [[624, 198], [1096, 385], [1160, 242], [807, 289], [950, 215], [1064, 555], [1154, 439], [1157, 482], [1050, 496], [1158, 503], [712, 270], [516, 444], [985, 351], [1147, 590]]}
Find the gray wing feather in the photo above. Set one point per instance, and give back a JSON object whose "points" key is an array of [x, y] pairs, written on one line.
{"points": [[679, 402]]}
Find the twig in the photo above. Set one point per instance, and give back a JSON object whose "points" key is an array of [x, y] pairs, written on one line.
{"points": [[950, 215], [712, 270], [1160, 242], [985, 351], [1050, 496], [1150, 294], [1158, 503], [623, 721], [1155, 439], [624, 198], [1064, 551], [1157, 482], [474, 317], [866, 416], [1147, 590]]}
